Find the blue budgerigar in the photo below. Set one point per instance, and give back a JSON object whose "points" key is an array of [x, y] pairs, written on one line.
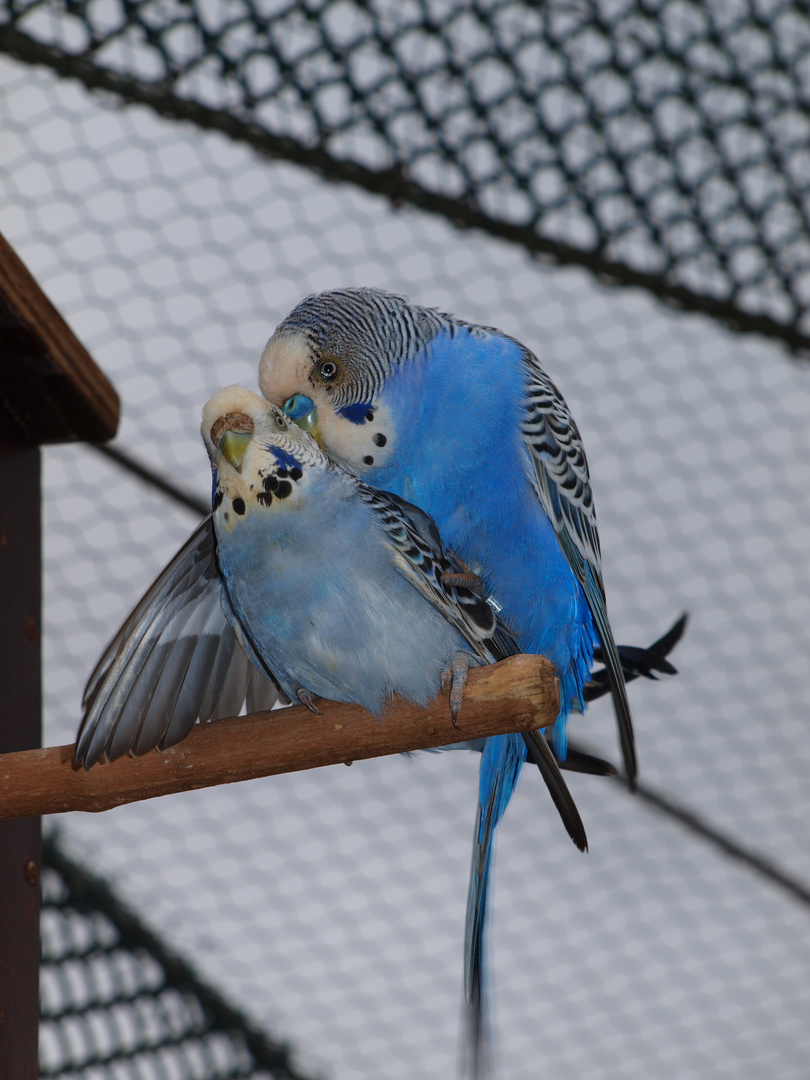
{"points": [[463, 421]]}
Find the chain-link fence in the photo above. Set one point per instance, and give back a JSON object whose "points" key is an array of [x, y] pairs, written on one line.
{"points": [[662, 143], [116, 1002], [329, 906]]}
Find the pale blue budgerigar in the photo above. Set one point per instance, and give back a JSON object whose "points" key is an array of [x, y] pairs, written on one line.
{"points": [[332, 589], [463, 421]]}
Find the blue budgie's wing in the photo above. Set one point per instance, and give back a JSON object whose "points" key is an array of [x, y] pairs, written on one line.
{"points": [[419, 557], [176, 659], [564, 489], [416, 538]]}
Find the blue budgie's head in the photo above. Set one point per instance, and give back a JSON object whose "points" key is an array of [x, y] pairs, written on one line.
{"points": [[328, 361], [258, 456]]}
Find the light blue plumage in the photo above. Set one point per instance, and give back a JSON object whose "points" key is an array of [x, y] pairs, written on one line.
{"points": [[463, 421], [331, 589], [332, 584]]}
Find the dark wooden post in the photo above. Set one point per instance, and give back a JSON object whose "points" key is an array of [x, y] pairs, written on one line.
{"points": [[20, 701], [50, 391]]}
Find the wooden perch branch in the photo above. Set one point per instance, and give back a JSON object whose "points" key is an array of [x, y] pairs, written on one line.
{"points": [[517, 694]]}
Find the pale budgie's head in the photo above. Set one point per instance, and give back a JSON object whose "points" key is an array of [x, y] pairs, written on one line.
{"points": [[258, 456], [328, 361]]}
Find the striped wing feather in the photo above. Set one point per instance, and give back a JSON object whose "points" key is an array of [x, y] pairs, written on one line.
{"points": [[421, 559], [564, 489]]}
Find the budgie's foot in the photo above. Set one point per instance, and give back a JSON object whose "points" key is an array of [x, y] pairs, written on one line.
{"points": [[455, 677], [305, 698], [466, 578], [464, 581]]}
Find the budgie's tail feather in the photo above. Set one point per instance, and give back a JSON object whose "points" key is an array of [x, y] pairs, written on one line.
{"points": [[502, 758], [579, 760], [479, 1048], [649, 663], [478, 1064], [541, 754]]}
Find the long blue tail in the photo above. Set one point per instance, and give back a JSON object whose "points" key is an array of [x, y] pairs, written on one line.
{"points": [[501, 762]]}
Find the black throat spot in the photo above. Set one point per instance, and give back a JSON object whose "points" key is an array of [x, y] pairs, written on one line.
{"points": [[277, 485]]}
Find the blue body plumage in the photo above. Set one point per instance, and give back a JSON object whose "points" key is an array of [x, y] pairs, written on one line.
{"points": [[311, 576], [472, 478]]}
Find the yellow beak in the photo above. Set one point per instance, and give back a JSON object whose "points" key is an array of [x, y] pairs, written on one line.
{"points": [[233, 445]]}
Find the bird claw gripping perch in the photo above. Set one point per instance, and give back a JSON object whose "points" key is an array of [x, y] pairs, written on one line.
{"points": [[455, 678], [306, 698]]}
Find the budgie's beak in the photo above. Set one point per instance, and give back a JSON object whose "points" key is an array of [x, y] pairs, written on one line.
{"points": [[233, 445], [302, 411]]}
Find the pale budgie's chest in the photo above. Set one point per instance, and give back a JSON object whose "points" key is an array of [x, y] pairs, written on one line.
{"points": [[318, 591]]}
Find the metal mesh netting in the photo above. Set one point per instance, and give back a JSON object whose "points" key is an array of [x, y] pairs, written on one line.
{"points": [[663, 142], [115, 1002], [329, 906]]}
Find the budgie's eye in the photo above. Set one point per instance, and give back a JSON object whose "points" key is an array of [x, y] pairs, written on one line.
{"points": [[281, 422], [328, 369]]}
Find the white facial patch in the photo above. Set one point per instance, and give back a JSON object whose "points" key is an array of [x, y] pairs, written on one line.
{"points": [[285, 367], [363, 447]]}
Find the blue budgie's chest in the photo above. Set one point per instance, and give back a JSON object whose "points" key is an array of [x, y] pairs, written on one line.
{"points": [[457, 411], [443, 449]]}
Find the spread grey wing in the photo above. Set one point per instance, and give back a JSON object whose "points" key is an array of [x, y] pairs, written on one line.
{"points": [[176, 659], [563, 487]]}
